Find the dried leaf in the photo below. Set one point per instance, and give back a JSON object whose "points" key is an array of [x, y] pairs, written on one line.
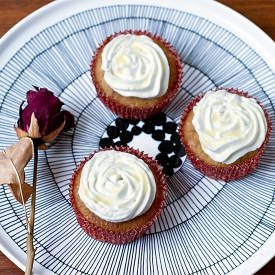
{"points": [[44, 146], [34, 128], [50, 137], [13, 160], [20, 133], [16, 192]]}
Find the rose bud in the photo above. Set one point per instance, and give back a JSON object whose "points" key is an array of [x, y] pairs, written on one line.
{"points": [[42, 119]]}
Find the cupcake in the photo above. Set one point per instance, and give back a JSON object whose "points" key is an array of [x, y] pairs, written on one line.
{"points": [[117, 194], [224, 133], [136, 73]]}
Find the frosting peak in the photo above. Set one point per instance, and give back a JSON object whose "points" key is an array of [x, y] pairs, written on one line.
{"points": [[135, 66], [229, 125], [117, 186]]}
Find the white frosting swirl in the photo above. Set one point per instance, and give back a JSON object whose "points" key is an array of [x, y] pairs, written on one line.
{"points": [[135, 66], [229, 125], [117, 186]]}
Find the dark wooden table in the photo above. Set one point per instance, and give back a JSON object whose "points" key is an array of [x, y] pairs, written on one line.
{"points": [[260, 12]]}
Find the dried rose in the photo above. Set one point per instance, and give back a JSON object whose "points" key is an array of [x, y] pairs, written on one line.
{"points": [[39, 124], [43, 118]]}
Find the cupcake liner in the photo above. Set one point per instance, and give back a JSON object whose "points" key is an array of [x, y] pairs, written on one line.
{"points": [[133, 112], [229, 172], [121, 237]]}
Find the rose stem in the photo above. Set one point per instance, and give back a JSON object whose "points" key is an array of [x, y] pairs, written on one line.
{"points": [[30, 248]]}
